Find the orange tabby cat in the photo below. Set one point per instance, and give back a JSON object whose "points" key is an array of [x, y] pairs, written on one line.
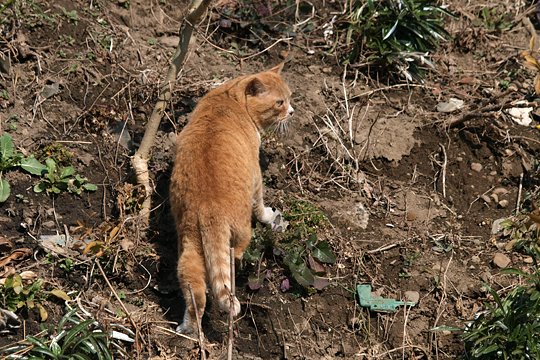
{"points": [[216, 183]]}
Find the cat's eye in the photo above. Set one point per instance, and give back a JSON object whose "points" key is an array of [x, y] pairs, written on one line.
{"points": [[279, 102]]}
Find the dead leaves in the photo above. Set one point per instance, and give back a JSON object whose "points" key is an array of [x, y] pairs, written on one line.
{"points": [[6, 247], [531, 62]]}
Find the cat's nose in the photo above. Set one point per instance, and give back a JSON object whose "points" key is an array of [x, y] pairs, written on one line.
{"points": [[290, 111]]}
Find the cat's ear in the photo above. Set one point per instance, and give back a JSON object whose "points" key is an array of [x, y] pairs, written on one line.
{"points": [[277, 69], [255, 87]]}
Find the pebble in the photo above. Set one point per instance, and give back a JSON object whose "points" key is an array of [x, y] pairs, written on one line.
{"points": [[528, 260], [486, 198], [476, 167], [503, 203], [500, 191], [413, 296], [49, 224], [500, 260], [496, 226], [476, 259]]}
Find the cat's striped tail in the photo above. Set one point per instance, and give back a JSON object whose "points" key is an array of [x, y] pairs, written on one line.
{"points": [[216, 241]]}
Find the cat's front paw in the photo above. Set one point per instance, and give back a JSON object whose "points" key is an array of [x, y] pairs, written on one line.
{"points": [[186, 328], [267, 216], [279, 224]]}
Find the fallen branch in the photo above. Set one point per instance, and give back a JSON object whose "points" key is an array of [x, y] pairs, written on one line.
{"points": [[140, 160], [487, 110]]}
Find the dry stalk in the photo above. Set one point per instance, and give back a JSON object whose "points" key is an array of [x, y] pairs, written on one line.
{"points": [[198, 320], [128, 314], [231, 308], [140, 160], [444, 164], [520, 189], [442, 302]]}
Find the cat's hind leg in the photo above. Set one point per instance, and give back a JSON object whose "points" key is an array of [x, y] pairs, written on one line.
{"points": [[192, 278], [241, 239]]}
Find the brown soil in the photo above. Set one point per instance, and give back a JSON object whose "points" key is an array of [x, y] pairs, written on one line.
{"points": [[415, 180]]}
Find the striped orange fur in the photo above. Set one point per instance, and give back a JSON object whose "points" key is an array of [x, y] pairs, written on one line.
{"points": [[216, 183]]}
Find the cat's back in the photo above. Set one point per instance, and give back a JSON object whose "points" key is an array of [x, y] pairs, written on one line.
{"points": [[216, 151]]}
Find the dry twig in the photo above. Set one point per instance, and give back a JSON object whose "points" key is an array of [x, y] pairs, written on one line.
{"points": [[231, 308], [140, 160], [128, 314], [198, 320], [487, 110]]}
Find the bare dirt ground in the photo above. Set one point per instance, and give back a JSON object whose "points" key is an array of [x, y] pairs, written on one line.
{"points": [[410, 193]]}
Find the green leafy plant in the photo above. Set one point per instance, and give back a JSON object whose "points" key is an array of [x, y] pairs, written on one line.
{"points": [[522, 230], [496, 19], [509, 327], [304, 262], [72, 15], [18, 294], [9, 159], [59, 179], [394, 35], [73, 338], [299, 250], [15, 294]]}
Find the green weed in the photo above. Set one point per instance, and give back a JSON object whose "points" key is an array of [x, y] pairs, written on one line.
{"points": [[18, 294], [72, 15], [509, 327], [10, 159], [395, 35], [496, 19], [59, 179], [72, 338], [298, 250], [54, 178]]}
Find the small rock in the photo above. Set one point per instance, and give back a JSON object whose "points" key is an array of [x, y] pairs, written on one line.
{"points": [[503, 203], [449, 106], [486, 198], [49, 224], [495, 197], [496, 227], [169, 41], [476, 259], [476, 167], [500, 191], [521, 115], [493, 173], [486, 277], [528, 260], [459, 159], [412, 296], [500, 260]]}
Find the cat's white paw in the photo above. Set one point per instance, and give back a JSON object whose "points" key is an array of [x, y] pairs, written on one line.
{"points": [[268, 216], [186, 328], [279, 224], [225, 305]]}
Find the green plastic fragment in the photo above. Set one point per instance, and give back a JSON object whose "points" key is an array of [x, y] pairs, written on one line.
{"points": [[377, 303]]}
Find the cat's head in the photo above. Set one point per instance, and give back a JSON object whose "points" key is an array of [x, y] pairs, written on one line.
{"points": [[268, 98]]}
